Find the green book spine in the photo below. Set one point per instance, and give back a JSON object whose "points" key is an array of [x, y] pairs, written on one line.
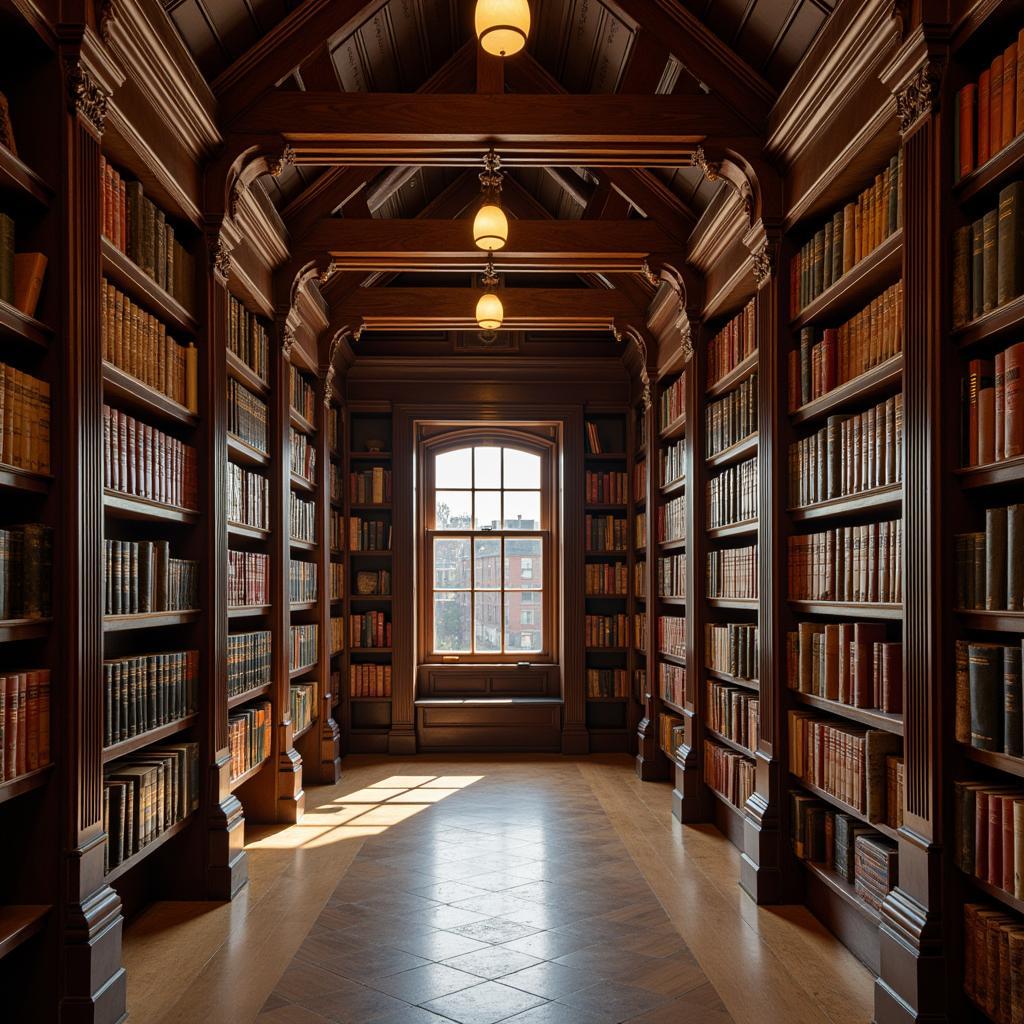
{"points": [[985, 668]]}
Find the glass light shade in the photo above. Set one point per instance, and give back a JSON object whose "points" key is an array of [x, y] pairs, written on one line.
{"points": [[502, 25], [490, 227], [489, 312]]}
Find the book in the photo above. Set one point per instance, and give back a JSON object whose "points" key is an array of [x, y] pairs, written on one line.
{"points": [[732, 647], [990, 563], [861, 563], [303, 642], [732, 344], [248, 661], [671, 405], [728, 773], [731, 419], [7, 126], [732, 573], [24, 420], [144, 692], [731, 496], [24, 722], [29, 271]]}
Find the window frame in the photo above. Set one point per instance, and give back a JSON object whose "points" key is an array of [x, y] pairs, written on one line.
{"points": [[524, 439]]}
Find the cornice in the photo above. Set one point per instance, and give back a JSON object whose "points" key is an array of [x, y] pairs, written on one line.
{"points": [[262, 228], [724, 220], [486, 368]]}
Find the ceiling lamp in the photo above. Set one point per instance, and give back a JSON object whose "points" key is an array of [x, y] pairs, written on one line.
{"points": [[502, 25], [489, 311], [490, 226]]}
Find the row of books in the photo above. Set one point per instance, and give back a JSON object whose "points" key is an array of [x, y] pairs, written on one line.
{"points": [[24, 420], [302, 455], [144, 794], [249, 737], [301, 518], [732, 495], [607, 682], [337, 531], [988, 828], [733, 712], [672, 576], [248, 338], [301, 580], [732, 573], [247, 416], [248, 578], [373, 581], [606, 630], [989, 696], [24, 722], [849, 662], [640, 578], [141, 576], [337, 580], [302, 699], [640, 481], [990, 562], [368, 534], [249, 664], [732, 647], [26, 570], [856, 852], [731, 419], [336, 634], [592, 438], [849, 563], [608, 488], [335, 480], [673, 462], [640, 631], [672, 683], [729, 774], [370, 487], [671, 733], [334, 429], [994, 961], [369, 629], [137, 342], [843, 353], [992, 404], [640, 530], [671, 521], [369, 680], [145, 691], [21, 273], [147, 463], [852, 233], [672, 635], [303, 642], [605, 533], [732, 344], [140, 229], [672, 402], [848, 455], [248, 497], [845, 760], [608, 578], [302, 396]]}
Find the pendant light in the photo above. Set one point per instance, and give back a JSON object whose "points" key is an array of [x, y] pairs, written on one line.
{"points": [[489, 311], [502, 25], [490, 226]]}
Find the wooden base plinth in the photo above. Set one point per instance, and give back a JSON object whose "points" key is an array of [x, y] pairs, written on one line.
{"points": [[760, 867], [688, 803], [227, 868], [650, 762], [575, 740], [402, 741], [330, 753], [95, 983]]}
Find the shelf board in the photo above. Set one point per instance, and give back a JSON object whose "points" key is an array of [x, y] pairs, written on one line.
{"points": [[607, 700], [850, 609], [739, 373], [842, 888], [148, 620], [302, 545], [677, 602], [294, 673], [133, 743], [605, 456], [866, 716], [369, 700], [887, 498], [734, 453], [127, 506], [674, 430], [996, 324], [672, 545], [299, 422], [19, 921], [14, 479], [370, 597], [721, 797], [880, 826], [15, 324], [23, 629], [606, 650], [369, 506], [303, 730], [248, 695], [248, 774], [995, 622], [994, 759], [300, 483], [244, 611], [125, 390], [1004, 897], [672, 706], [369, 650], [370, 553], [735, 603], [137, 858], [606, 597], [672, 659], [673, 487], [880, 268], [20, 183], [302, 606], [132, 279], [726, 742], [605, 507], [369, 456], [606, 554], [245, 453], [747, 528], [249, 532], [879, 380], [998, 170], [1009, 471], [246, 375], [727, 677], [24, 783]]}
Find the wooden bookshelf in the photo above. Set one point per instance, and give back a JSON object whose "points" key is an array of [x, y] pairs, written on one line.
{"points": [[19, 923], [145, 739]]}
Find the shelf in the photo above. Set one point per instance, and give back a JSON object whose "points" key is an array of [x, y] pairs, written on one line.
{"points": [[605, 456], [607, 597], [137, 858], [1004, 167], [299, 422], [370, 597], [1004, 897], [20, 183], [994, 759], [19, 922], [995, 325], [888, 498], [15, 324], [369, 456], [866, 716], [736, 375], [858, 285], [122, 747], [370, 553], [672, 706], [294, 673], [248, 695], [303, 730], [838, 885], [605, 507], [369, 506], [879, 380], [734, 603], [606, 650], [673, 487], [675, 430], [125, 390], [889, 833], [369, 650], [246, 453], [248, 774], [849, 609], [722, 798], [369, 700], [302, 545], [726, 742], [300, 483], [727, 677], [24, 783], [1008, 471], [126, 506], [249, 532], [14, 479], [132, 279], [747, 528], [994, 622], [676, 602], [148, 620], [607, 700], [606, 554], [734, 453], [672, 659], [672, 545], [248, 610], [302, 606], [23, 629], [246, 375]]}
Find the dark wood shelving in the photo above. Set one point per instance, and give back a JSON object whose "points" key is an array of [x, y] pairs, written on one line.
{"points": [[370, 700], [302, 545], [243, 698], [248, 610], [248, 532], [672, 545], [248, 774], [605, 457], [721, 798], [676, 602], [673, 659], [889, 833], [148, 620], [993, 474], [246, 454], [20, 326], [850, 609], [727, 677], [739, 373], [369, 650], [673, 487], [23, 629], [674, 430], [14, 479], [137, 858], [607, 700], [606, 554], [998, 170], [866, 716], [995, 622], [133, 743], [994, 759], [300, 483], [369, 553], [364, 506], [726, 742], [19, 921], [734, 603], [369, 456], [125, 390], [19, 184], [126, 506], [302, 606], [24, 783], [747, 528], [882, 379], [606, 650], [734, 453], [1004, 897], [858, 286], [294, 673], [303, 730], [838, 885], [370, 597], [605, 507], [672, 706], [244, 374], [888, 498], [995, 325], [299, 422]]}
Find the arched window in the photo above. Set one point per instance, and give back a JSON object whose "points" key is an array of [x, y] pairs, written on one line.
{"points": [[486, 559]]}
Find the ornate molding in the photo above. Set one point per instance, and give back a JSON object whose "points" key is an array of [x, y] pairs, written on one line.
{"points": [[920, 95], [220, 256], [712, 171], [85, 95], [685, 329], [763, 264], [287, 341], [325, 275], [645, 377], [286, 159], [327, 377]]}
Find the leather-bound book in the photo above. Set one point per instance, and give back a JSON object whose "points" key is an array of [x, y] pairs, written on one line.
{"points": [[981, 833], [990, 257], [1011, 242], [1013, 731], [995, 558], [1015, 972], [984, 371], [977, 268], [963, 694], [999, 405], [865, 636], [985, 668], [995, 117], [1015, 558], [29, 270], [892, 678], [849, 236], [961, 276], [984, 118], [837, 245], [1009, 95], [1013, 401]]}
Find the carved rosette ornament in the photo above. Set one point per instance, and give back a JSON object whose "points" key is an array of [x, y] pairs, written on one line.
{"points": [[710, 169], [651, 277], [919, 97], [763, 264], [286, 159], [220, 257], [85, 95], [325, 275]]}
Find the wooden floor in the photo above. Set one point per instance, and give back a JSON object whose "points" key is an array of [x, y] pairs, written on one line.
{"points": [[532, 890]]}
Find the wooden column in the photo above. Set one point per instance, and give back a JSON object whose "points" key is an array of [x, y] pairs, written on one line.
{"points": [[575, 738], [648, 760], [402, 737], [912, 983], [92, 980]]}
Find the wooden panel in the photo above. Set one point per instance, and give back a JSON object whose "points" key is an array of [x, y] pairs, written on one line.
{"points": [[483, 726]]}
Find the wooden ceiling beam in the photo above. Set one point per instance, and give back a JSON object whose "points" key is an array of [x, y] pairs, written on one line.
{"points": [[318, 72]]}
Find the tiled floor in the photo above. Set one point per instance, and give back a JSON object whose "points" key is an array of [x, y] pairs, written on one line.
{"points": [[502, 898]]}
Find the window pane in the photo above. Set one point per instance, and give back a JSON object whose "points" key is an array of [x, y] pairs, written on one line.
{"points": [[454, 469], [524, 568], [487, 467], [523, 623], [522, 510], [488, 563], [522, 469], [451, 621], [451, 562], [488, 510], [453, 510], [488, 622]]}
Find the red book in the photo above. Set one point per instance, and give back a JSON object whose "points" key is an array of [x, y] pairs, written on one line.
{"points": [[1013, 401], [968, 99], [1009, 95], [865, 636], [984, 108], [981, 834], [995, 117], [1007, 818], [1000, 405], [1018, 113]]}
